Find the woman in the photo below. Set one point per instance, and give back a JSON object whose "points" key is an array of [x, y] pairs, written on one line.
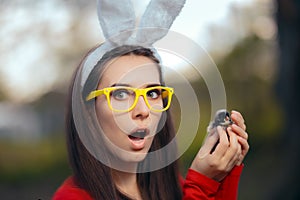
{"points": [[127, 104]]}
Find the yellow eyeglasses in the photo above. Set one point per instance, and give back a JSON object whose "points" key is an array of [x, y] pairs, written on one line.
{"points": [[124, 99]]}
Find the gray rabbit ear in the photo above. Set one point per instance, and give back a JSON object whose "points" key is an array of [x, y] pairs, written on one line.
{"points": [[157, 20], [117, 19]]}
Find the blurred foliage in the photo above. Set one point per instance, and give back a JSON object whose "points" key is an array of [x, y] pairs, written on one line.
{"points": [[249, 73], [32, 170], [36, 158]]}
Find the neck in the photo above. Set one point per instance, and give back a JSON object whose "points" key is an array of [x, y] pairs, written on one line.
{"points": [[126, 183]]}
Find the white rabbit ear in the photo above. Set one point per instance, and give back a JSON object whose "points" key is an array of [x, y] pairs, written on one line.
{"points": [[157, 20], [117, 19]]}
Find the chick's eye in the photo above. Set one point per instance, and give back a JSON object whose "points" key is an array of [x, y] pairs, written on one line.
{"points": [[153, 94], [120, 94]]}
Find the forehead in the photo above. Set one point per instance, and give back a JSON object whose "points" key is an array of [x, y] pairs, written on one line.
{"points": [[130, 69]]}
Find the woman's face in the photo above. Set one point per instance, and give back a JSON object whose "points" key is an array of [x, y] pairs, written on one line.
{"points": [[129, 135]]}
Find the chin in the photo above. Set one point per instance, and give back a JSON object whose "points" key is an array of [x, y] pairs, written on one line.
{"points": [[127, 157], [132, 156]]}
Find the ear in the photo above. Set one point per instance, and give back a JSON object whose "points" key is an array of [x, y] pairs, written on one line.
{"points": [[157, 20], [117, 19]]}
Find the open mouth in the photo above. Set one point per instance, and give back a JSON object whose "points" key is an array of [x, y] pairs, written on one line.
{"points": [[139, 134]]}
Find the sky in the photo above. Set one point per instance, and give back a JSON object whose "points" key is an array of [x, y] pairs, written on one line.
{"points": [[25, 75]]}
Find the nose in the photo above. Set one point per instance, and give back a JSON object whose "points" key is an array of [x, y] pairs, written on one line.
{"points": [[141, 109]]}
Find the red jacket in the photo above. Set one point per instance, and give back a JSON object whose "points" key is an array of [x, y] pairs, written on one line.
{"points": [[196, 186]]}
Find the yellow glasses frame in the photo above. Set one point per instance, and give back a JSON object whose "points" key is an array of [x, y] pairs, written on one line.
{"points": [[167, 92]]}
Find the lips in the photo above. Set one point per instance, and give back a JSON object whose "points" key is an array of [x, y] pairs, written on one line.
{"points": [[137, 138]]}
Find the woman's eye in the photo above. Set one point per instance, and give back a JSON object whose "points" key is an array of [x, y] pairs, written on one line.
{"points": [[153, 94], [120, 94]]}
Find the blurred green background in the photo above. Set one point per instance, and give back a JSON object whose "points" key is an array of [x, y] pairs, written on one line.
{"points": [[254, 43]]}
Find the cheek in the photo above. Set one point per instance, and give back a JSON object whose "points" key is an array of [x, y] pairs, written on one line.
{"points": [[157, 121], [156, 118], [104, 114], [112, 124]]}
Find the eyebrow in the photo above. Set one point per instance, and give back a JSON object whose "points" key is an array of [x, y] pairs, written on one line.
{"points": [[128, 85], [120, 84]]}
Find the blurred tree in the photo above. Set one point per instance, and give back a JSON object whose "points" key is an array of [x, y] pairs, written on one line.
{"points": [[47, 37], [248, 74], [35, 168], [2, 96], [288, 87]]}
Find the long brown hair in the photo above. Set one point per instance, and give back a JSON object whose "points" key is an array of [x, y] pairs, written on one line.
{"points": [[94, 176]]}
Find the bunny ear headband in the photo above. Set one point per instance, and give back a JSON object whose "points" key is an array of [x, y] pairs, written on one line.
{"points": [[117, 20]]}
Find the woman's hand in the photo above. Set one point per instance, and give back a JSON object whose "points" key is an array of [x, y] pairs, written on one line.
{"points": [[239, 128], [230, 150]]}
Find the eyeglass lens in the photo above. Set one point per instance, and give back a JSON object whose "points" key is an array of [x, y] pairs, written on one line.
{"points": [[124, 98]]}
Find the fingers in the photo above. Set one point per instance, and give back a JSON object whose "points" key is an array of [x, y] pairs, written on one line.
{"points": [[238, 119], [239, 128], [228, 151], [242, 137], [240, 160], [229, 146], [223, 149], [223, 143], [244, 145], [210, 141], [234, 151], [239, 131]]}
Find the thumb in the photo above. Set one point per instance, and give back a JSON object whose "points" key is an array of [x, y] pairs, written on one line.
{"points": [[210, 140]]}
